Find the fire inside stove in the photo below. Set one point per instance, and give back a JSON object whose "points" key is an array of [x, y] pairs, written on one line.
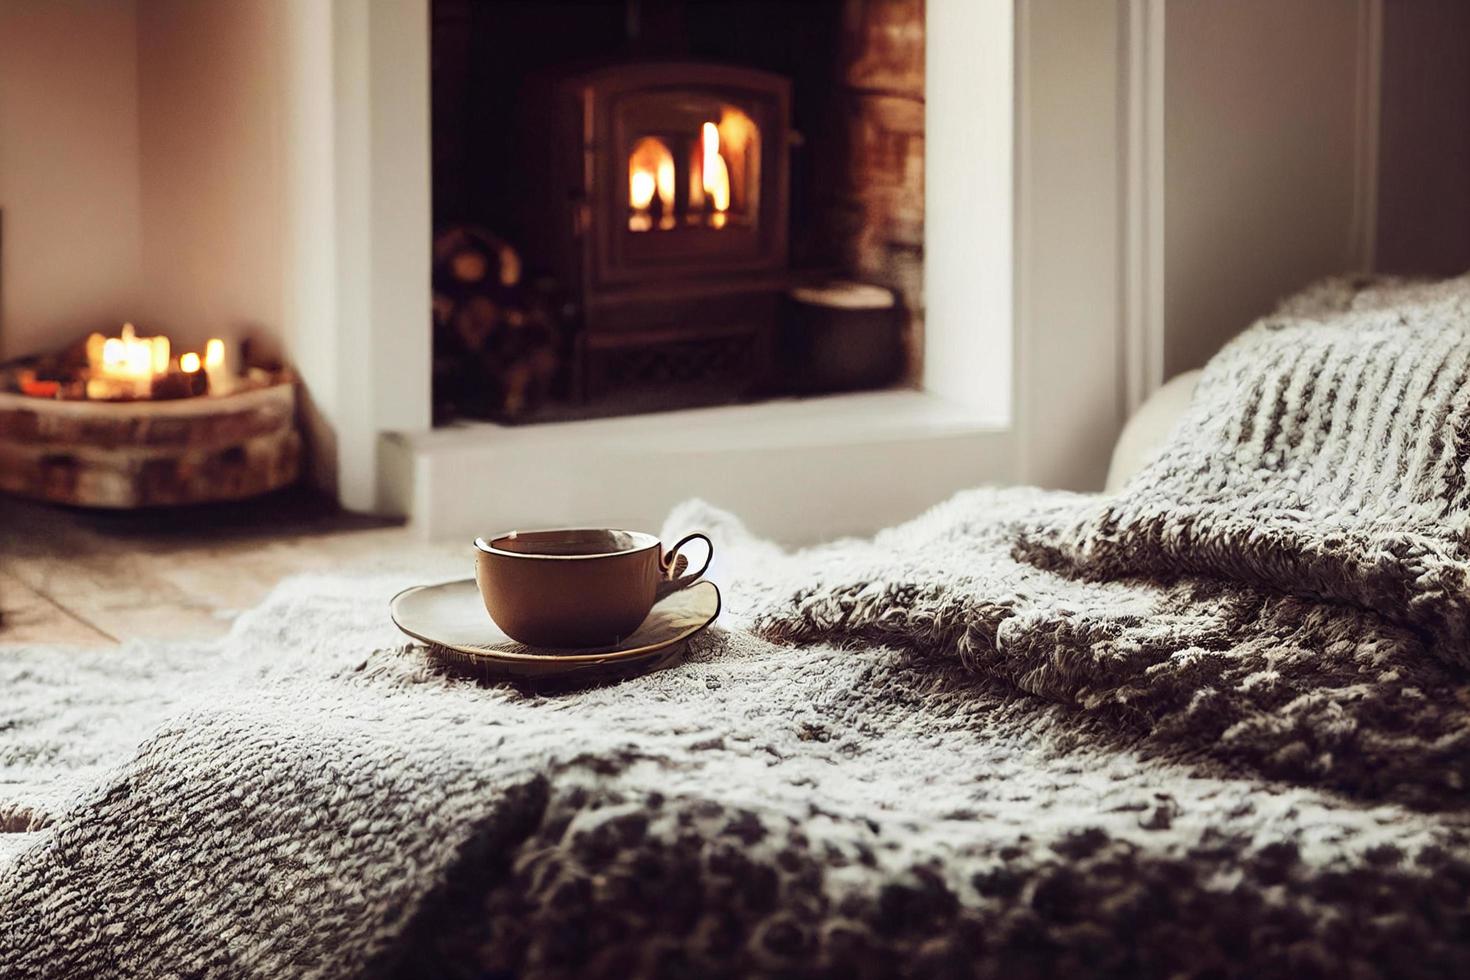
{"points": [[657, 202], [709, 177], [129, 368]]}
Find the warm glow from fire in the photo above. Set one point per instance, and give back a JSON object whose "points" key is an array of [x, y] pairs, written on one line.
{"points": [[666, 181], [650, 175], [720, 167], [189, 363], [715, 173], [640, 189], [738, 133]]}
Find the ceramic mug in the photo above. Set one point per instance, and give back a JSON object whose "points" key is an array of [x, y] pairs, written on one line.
{"points": [[580, 587]]}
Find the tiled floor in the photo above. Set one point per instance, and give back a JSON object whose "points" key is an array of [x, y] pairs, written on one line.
{"points": [[90, 578]]}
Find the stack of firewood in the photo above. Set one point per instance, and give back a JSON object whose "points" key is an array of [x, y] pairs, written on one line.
{"points": [[500, 346]]}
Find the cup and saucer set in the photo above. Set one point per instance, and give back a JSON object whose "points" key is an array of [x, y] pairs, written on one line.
{"points": [[581, 604]]}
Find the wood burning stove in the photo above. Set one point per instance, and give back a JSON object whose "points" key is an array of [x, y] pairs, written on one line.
{"points": [[663, 210]]}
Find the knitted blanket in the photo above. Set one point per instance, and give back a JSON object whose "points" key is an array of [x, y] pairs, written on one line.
{"points": [[1326, 454], [1216, 725]]}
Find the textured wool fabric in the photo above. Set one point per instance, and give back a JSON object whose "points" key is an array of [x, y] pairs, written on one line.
{"points": [[1208, 782], [978, 744], [1326, 453]]}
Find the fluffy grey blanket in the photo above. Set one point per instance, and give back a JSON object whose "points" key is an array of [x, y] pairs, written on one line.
{"points": [[1216, 725]]}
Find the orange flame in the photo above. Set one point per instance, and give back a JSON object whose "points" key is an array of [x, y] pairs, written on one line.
{"points": [[650, 175], [716, 173]]}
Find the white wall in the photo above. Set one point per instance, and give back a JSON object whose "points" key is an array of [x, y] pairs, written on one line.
{"points": [[211, 105], [1424, 154], [357, 230], [1266, 143], [1181, 166], [70, 260], [969, 211], [1069, 154], [140, 159], [309, 232], [384, 211]]}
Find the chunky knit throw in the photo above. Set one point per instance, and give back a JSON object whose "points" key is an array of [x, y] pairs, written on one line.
{"points": [[1326, 454], [1218, 725]]}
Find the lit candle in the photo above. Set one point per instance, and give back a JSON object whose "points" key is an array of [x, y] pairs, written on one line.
{"points": [[95, 344], [140, 359], [114, 357], [125, 365], [216, 369], [191, 370]]}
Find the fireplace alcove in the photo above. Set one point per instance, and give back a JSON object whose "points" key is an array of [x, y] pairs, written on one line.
{"points": [[659, 174], [801, 469]]}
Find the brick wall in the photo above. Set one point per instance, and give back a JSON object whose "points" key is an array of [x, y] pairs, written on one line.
{"points": [[880, 207]]}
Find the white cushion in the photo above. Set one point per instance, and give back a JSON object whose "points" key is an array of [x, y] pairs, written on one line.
{"points": [[1148, 428]]}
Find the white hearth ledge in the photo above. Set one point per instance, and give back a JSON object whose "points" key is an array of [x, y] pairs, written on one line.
{"points": [[797, 470]]}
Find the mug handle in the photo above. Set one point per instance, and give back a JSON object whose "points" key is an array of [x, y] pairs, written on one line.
{"points": [[671, 560]]}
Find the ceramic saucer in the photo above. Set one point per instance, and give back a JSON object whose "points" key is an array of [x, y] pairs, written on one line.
{"points": [[451, 619]]}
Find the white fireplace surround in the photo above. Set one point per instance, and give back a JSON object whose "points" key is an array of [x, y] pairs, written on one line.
{"points": [[803, 470], [1035, 114]]}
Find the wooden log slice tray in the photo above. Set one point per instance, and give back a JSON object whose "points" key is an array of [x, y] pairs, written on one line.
{"points": [[150, 453]]}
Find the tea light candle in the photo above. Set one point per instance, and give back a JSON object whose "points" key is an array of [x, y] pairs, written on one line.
{"points": [[127, 366], [192, 369], [216, 369]]}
